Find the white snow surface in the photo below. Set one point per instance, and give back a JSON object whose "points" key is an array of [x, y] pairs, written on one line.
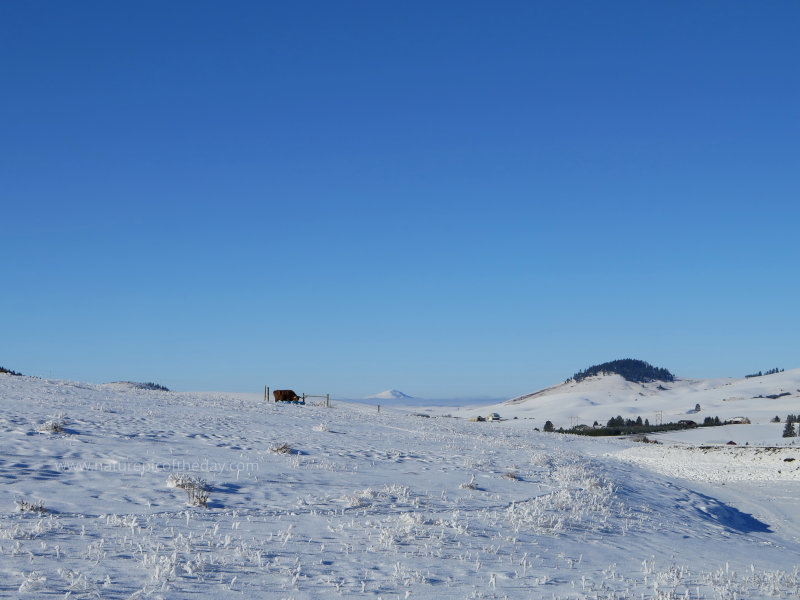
{"points": [[316, 502]]}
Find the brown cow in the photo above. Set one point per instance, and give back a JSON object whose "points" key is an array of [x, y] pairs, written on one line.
{"points": [[285, 396]]}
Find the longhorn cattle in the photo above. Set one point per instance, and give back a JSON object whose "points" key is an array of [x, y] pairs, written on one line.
{"points": [[285, 396]]}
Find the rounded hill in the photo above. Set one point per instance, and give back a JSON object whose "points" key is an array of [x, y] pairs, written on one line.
{"points": [[631, 369]]}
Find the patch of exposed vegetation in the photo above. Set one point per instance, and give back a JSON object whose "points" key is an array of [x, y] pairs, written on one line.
{"points": [[146, 386], [9, 371]]}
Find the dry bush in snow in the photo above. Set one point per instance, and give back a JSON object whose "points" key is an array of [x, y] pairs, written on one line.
{"points": [[471, 485], [198, 496], [25, 506], [32, 581], [283, 448], [52, 426], [198, 491], [389, 495]]}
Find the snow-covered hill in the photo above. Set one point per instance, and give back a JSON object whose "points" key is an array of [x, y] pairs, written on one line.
{"points": [[601, 397], [312, 502], [432, 406]]}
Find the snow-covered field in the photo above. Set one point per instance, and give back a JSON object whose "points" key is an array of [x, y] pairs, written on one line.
{"points": [[315, 502]]}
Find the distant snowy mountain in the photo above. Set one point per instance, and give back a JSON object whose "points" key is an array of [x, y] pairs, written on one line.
{"points": [[390, 395]]}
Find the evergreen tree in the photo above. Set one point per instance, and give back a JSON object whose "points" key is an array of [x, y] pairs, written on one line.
{"points": [[548, 426], [788, 430], [631, 369]]}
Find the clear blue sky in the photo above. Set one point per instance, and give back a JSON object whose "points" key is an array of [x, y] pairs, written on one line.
{"points": [[447, 198]]}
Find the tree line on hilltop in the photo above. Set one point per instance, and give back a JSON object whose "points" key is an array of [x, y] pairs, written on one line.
{"points": [[636, 371], [760, 374]]}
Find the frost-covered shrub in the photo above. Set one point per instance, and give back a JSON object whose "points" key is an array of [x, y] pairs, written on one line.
{"points": [[33, 580], [361, 498], [180, 480], [407, 576], [470, 485], [198, 496], [52, 426], [394, 494], [283, 448], [198, 491], [26, 506]]}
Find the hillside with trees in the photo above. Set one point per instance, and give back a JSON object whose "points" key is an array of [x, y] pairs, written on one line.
{"points": [[636, 371], [774, 371]]}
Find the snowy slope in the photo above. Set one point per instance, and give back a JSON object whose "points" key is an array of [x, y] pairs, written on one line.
{"points": [[371, 504], [602, 397]]}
